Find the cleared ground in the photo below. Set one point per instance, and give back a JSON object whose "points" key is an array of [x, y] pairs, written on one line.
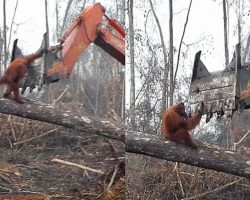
{"points": [[28, 172]]}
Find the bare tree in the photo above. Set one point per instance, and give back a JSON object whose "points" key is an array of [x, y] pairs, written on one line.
{"points": [[1, 49], [122, 12], [132, 66], [182, 37], [57, 21], [246, 50], [46, 19], [12, 22], [66, 15], [97, 90], [166, 67], [171, 52], [239, 21], [123, 78], [225, 32], [4, 35]]}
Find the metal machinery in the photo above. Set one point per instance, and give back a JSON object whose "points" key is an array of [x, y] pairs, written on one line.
{"points": [[222, 92], [91, 26]]}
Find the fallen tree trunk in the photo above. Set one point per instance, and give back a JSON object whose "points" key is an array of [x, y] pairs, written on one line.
{"points": [[136, 142], [207, 157], [47, 113]]}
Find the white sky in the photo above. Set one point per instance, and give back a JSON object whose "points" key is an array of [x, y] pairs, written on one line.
{"points": [[29, 24], [205, 20]]}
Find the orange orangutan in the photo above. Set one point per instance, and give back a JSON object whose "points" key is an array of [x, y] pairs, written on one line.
{"points": [[176, 124], [15, 72]]}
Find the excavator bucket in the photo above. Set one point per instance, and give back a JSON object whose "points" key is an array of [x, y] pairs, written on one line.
{"points": [[16, 51], [36, 74], [222, 92]]}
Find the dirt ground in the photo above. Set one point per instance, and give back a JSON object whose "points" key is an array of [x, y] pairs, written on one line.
{"points": [[152, 178], [28, 172]]}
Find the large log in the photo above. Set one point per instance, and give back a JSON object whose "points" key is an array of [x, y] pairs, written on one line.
{"points": [[46, 113], [208, 157], [136, 142]]}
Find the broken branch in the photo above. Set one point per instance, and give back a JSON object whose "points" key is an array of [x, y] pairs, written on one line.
{"points": [[36, 137], [77, 165]]}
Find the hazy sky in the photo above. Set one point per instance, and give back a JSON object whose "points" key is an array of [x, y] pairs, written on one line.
{"points": [[29, 24], [205, 21], [204, 30]]}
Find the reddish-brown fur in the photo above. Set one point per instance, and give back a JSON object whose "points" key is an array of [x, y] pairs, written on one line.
{"points": [[15, 72], [176, 124]]}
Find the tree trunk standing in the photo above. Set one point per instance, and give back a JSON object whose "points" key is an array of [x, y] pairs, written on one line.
{"points": [[148, 110], [171, 52], [225, 32], [57, 22], [97, 89], [4, 35], [179, 50], [123, 97], [230, 133], [123, 80], [118, 75], [47, 92], [239, 25], [244, 57], [83, 5], [11, 26], [1, 50], [46, 20], [78, 81], [132, 64], [123, 12], [230, 138], [166, 67], [72, 87], [117, 10], [65, 16]]}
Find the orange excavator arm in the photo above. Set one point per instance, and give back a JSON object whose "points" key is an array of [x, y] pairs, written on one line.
{"points": [[88, 27], [91, 26]]}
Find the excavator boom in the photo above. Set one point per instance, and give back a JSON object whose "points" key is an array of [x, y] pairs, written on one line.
{"points": [[87, 28], [91, 26]]}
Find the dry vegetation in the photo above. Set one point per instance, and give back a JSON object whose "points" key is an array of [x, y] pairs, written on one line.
{"points": [[151, 178], [27, 171]]}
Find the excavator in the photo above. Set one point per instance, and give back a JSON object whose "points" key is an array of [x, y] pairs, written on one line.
{"points": [[223, 92], [92, 25]]}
